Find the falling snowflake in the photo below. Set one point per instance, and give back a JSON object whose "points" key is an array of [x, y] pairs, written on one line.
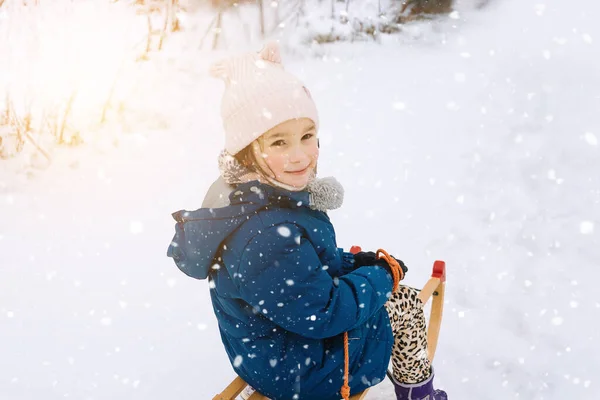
{"points": [[284, 231], [590, 138], [399, 106], [586, 227], [237, 361], [587, 38], [452, 106], [460, 77], [539, 9], [546, 54], [136, 227]]}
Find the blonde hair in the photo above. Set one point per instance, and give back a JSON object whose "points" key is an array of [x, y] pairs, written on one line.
{"points": [[251, 158], [246, 158]]}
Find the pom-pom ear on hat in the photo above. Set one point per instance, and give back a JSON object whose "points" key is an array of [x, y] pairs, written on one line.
{"points": [[271, 53], [224, 69]]}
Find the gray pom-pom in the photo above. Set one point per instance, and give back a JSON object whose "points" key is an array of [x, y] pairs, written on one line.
{"points": [[326, 194]]}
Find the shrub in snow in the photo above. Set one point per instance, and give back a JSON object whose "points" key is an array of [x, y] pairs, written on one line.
{"points": [[59, 66], [416, 9], [319, 21]]}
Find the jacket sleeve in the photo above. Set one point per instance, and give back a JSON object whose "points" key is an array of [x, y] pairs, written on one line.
{"points": [[281, 276]]}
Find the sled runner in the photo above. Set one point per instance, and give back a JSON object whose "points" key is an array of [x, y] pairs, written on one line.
{"points": [[434, 287]]}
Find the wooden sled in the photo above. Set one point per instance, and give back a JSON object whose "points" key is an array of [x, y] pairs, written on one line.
{"points": [[434, 287]]}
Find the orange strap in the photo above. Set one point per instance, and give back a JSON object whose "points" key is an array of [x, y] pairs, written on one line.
{"points": [[397, 275], [345, 390], [397, 272]]}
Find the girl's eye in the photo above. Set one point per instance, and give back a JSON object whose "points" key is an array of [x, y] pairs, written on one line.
{"points": [[278, 143], [308, 136]]}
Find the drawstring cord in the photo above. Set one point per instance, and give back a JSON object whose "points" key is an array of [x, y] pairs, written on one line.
{"points": [[397, 276]]}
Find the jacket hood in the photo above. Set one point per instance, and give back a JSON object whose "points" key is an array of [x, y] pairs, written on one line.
{"points": [[199, 234]]}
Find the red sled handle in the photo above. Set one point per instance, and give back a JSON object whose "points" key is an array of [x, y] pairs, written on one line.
{"points": [[355, 249]]}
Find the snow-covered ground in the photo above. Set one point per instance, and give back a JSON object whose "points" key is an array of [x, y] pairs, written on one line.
{"points": [[473, 140]]}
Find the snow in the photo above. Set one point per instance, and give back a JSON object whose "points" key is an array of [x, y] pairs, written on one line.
{"points": [[238, 361], [284, 231], [487, 161]]}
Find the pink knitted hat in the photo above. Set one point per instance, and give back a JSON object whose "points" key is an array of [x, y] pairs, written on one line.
{"points": [[259, 95]]}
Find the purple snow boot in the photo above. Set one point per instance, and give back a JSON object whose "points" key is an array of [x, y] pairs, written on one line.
{"points": [[419, 391]]}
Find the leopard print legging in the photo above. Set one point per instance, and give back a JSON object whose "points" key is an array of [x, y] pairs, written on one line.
{"points": [[409, 354]]}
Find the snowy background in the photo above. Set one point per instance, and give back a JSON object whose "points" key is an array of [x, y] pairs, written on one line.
{"points": [[472, 138]]}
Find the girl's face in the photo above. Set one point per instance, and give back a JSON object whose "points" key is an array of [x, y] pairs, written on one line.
{"points": [[291, 151]]}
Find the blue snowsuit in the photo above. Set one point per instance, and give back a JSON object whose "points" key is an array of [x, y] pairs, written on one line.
{"points": [[284, 294]]}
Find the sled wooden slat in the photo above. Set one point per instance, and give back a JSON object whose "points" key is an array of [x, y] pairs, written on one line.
{"points": [[233, 390], [435, 287], [257, 396]]}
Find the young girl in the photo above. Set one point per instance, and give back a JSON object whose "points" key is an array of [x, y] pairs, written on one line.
{"points": [[284, 294]]}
